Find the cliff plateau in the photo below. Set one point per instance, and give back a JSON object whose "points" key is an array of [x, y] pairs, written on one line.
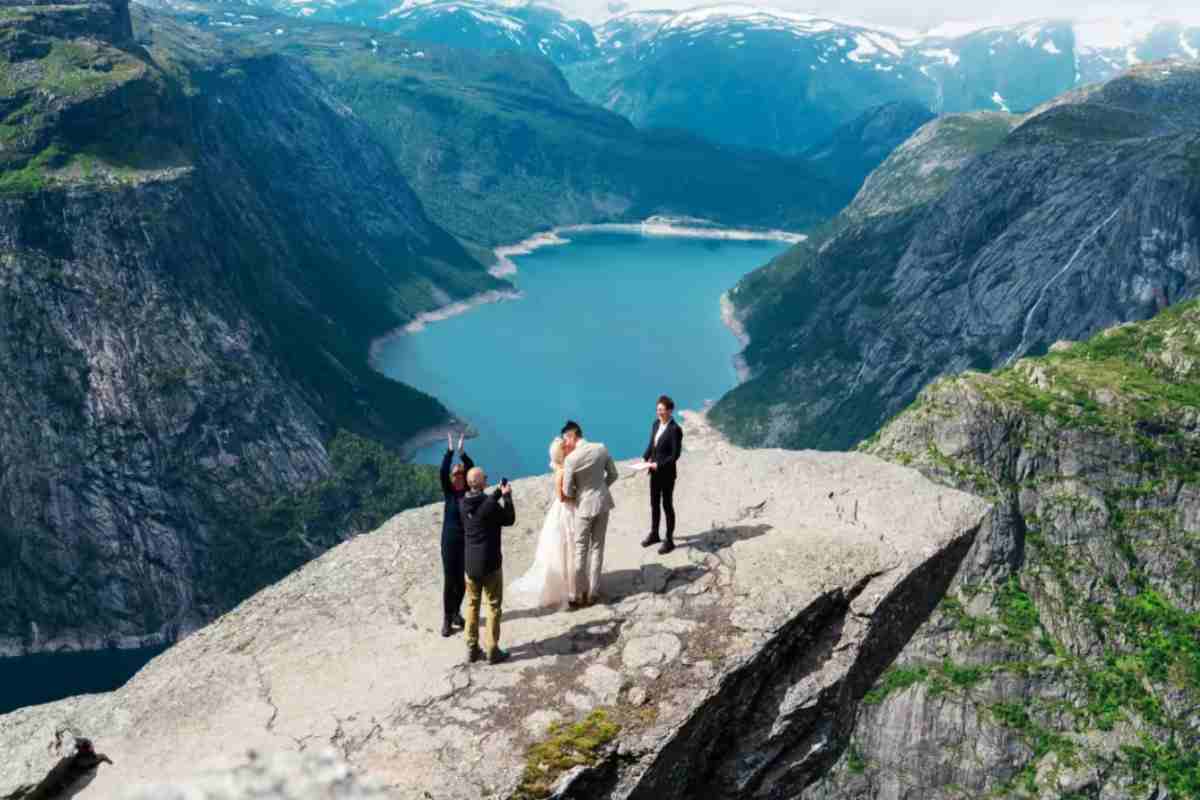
{"points": [[729, 668]]}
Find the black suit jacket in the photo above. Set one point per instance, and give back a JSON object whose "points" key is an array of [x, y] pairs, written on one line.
{"points": [[452, 526], [667, 450], [483, 516]]}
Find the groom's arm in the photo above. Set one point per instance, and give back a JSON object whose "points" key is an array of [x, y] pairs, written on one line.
{"points": [[568, 477], [610, 470]]}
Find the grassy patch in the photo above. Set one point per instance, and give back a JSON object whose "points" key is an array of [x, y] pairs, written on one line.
{"points": [[34, 175], [895, 679], [564, 748], [369, 485], [1097, 625]]}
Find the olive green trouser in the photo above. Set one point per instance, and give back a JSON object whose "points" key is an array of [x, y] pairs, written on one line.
{"points": [[491, 587]]}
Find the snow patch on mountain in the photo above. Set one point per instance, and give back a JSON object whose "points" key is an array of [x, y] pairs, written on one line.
{"points": [[1186, 47], [945, 55]]}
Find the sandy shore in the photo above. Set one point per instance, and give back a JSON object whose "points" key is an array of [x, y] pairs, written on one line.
{"points": [[677, 227], [505, 266], [433, 435], [436, 315]]}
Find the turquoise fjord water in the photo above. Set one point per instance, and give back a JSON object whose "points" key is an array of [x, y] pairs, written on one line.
{"points": [[45, 677], [605, 324]]}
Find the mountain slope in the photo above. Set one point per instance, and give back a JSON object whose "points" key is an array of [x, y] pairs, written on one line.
{"points": [[855, 149], [524, 27], [1063, 662], [197, 253], [498, 147], [1084, 215], [753, 77]]}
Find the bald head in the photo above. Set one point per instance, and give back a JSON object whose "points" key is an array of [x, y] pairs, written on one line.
{"points": [[476, 479]]}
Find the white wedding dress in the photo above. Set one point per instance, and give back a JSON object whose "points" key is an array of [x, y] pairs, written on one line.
{"points": [[550, 582]]}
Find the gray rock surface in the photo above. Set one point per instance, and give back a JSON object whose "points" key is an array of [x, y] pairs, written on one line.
{"points": [[731, 666], [312, 775]]}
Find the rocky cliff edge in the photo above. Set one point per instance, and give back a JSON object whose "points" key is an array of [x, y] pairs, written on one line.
{"points": [[732, 666]]}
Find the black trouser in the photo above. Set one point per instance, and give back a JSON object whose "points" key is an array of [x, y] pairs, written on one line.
{"points": [[662, 490], [454, 571]]}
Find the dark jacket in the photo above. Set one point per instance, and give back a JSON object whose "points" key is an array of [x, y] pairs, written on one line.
{"points": [[668, 449], [451, 522], [483, 516]]}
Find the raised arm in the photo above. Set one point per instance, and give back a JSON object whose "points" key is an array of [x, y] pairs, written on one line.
{"points": [[568, 477], [444, 474], [466, 460]]}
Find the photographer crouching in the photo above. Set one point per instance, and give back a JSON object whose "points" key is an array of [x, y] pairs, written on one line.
{"points": [[483, 515]]}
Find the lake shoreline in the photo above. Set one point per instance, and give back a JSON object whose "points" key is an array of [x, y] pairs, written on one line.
{"points": [[655, 227], [13, 648], [673, 227], [734, 324]]}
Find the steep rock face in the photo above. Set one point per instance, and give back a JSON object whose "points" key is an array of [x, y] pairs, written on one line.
{"points": [[194, 260], [124, 393], [1086, 214], [858, 147], [1063, 662], [730, 668]]}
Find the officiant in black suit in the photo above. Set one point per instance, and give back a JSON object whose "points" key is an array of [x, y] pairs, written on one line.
{"points": [[666, 444]]}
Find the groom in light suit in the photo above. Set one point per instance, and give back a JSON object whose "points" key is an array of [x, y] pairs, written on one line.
{"points": [[587, 473]]}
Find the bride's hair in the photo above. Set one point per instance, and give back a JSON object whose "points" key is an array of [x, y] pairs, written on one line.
{"points": [[556, 453]]}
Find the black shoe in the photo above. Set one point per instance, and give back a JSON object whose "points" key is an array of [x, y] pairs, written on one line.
{"points": [[447, 631], [666, 547], [652, 539], [497, 656], [459, 621], [474, 654]]}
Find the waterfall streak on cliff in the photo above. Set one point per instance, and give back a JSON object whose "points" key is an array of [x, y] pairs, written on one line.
{"points": [[1042, 294]]}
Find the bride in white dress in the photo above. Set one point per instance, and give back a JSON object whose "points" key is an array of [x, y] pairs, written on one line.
{"points": [[550, 581]]}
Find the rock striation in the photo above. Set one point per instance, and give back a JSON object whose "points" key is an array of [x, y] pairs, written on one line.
{"points": [[731, 668], [970, 248], [1063, 661]]}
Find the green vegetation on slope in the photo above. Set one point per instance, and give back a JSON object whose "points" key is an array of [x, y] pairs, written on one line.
{"points": [[498, 147], [1087, 654], [368, 485]]}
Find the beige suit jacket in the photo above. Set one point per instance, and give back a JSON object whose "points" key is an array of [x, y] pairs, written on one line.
{"points": [[587, 474]]}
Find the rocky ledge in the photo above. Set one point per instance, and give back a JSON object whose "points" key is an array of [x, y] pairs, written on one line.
{"points": [[730, 668]]}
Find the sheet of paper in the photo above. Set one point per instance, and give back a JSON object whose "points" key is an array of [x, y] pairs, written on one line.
{"points": [[640, 466]]}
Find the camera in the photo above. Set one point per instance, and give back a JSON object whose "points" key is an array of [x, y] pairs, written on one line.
{"points": [[504, 481]]}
